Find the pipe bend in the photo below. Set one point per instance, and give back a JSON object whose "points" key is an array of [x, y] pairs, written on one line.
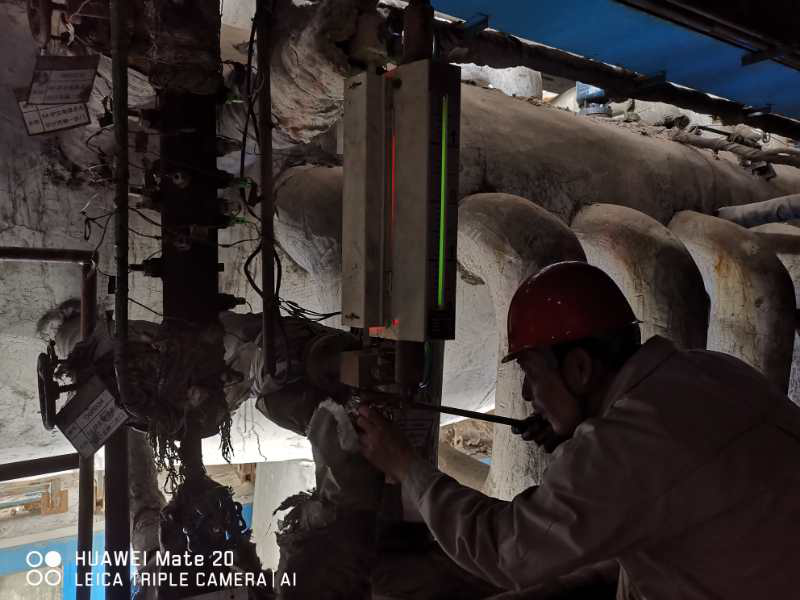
{"points": [[652, 267], [751, 293]]}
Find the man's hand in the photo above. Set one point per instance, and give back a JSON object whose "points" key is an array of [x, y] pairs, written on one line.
{"points": [[382, 444], [537, 429]]}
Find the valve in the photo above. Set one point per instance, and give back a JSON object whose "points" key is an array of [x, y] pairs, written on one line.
{"points": [[49, 389]]}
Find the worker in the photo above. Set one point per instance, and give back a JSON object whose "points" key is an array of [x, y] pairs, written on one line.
{"points": [[683, 465]]}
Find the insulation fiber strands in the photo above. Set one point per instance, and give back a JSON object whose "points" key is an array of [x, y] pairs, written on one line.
{"points": [[652, 268], [751, 293], [502, 239]]}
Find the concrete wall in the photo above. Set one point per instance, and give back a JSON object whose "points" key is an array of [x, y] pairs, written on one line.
{"points": [[276, 481]]}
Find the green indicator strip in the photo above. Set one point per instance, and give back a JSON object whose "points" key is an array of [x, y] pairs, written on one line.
{"points": [[442, 204]]}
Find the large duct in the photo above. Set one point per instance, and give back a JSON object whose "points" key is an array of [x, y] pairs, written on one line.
{"points": [[790, 260], [752, 296], [652, 268], [503, 239], [563, 162]]}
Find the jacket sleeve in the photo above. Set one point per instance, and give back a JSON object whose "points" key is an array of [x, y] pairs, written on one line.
{"points": [[596, 502]]}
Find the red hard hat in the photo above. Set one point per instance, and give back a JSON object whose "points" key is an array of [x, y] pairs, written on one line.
{"points": [[564, 302]]}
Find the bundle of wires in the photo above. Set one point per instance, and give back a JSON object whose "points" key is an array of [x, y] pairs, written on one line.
{"points": [[290, 308]]}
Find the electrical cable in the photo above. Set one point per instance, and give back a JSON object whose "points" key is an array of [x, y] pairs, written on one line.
{"points": [[105, 228], [144, 306]]}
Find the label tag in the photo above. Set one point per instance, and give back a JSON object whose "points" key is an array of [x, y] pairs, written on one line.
{"points": [[90, 418], [41, 119], [63, 79]]}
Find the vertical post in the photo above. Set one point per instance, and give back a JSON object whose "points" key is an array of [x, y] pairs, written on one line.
{"points": [[117, 515], [417, 31], [189, 208], [270, 305], [86, 465], [190, 218]]}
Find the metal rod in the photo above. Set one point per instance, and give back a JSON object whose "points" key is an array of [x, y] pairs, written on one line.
{"points": [[60, 255], [38, 466], [270, 306], [450, 410], [86, 465], [117, 517]]}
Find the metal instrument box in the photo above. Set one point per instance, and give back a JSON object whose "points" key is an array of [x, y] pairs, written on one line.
{"points": [[400, 214]]}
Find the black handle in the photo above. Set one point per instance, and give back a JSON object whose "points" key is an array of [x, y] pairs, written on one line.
{"points": [[450, 410]]}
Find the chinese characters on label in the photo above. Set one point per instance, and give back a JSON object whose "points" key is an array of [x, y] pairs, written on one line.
{"points": [[62, 79], [40, 119]]}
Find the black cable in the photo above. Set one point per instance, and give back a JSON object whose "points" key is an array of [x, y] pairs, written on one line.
{"points": [[248, 91], [236, 243], [144, 306], [279, 273], [98, 151], [145, 217], [105, 228], [88, 221], [249, 277], [144, 235]]}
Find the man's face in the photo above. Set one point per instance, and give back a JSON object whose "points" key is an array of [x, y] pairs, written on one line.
{"points": [[545, 388]]}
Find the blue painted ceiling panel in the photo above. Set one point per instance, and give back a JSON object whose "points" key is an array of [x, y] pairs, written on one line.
{"points": [[613, 33]]}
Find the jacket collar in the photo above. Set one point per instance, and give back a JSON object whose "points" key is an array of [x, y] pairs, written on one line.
{"points": [[647, 359]]}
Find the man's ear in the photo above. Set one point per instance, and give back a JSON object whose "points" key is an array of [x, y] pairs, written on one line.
{"points": [[576, 369]]}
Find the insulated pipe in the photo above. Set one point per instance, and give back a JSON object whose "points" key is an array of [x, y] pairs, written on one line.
{"points": [[776, 210], [502, 239], [651, 266], [752, 296], [86, 259], [790, 260], [308, 228], [564, 162], [465, 469]]}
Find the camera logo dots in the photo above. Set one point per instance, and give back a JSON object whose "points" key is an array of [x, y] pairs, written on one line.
{"points": [[36, 560], [52, 559]]}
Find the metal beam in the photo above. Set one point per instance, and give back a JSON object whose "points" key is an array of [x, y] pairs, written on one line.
{"points": [[117, 515], [38, 466], [752, 58], [59, 255], [501, 50], [86, 465], [711, 24]]}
